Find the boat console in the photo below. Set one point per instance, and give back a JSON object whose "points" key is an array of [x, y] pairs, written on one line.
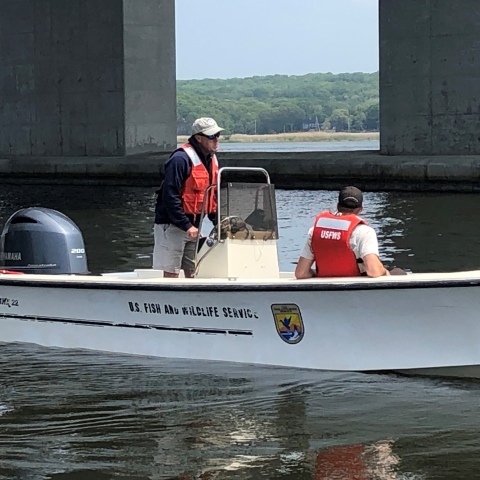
{"points": [[243, 242]]}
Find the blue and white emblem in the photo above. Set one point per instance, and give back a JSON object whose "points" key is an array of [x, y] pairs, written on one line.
{"points": [[288, 322]]}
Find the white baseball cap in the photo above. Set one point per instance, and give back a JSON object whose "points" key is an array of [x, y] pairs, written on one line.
{"points": [[205, 125]]}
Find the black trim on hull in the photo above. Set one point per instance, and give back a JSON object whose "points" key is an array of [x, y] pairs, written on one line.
{"points": [[141, 326], [233, 286]]}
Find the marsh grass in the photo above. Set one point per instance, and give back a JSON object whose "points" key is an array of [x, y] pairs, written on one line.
{"points": [[295, 137]]}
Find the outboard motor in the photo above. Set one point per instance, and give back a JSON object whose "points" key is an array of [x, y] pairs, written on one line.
{"points": [[42, 241]]}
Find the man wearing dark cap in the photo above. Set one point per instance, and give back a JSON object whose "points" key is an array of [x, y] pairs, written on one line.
{"points": [[341, 244], [188, 173]]}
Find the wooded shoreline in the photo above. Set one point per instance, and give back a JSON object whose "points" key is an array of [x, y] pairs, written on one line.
{"points": [[295, 137]]}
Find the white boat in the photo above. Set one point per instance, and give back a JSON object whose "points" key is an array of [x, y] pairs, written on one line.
{"points": [[239, 307]]}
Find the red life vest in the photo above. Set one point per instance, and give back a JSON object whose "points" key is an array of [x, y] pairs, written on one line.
{"points": [[194, 188], [331, 245]]}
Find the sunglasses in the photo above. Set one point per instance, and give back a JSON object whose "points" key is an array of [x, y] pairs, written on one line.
{"points": [[211, 137]]}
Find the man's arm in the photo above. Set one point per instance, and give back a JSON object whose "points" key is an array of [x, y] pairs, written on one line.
{"points": [[367, 250], [306, 260], [373, 266], [176, 172], [304, 268]]}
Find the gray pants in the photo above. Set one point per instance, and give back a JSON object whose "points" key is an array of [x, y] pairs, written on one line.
{"points": [[173, 250]]}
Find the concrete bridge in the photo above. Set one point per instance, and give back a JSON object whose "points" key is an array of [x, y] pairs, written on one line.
{"points": [[96, 78]]}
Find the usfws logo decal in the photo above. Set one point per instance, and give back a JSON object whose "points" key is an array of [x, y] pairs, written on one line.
{"points": [[288, 321]]}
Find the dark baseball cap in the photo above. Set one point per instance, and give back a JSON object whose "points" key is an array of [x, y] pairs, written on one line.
{"points": [[350, 197]]}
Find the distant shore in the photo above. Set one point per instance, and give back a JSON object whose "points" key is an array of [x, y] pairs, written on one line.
{"points": [[295, 137]]}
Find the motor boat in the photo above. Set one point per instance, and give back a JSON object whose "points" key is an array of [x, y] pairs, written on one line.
{"points": [[239, 307]]}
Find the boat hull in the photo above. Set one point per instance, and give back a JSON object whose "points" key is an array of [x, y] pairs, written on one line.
{"points": [[420, 328]]}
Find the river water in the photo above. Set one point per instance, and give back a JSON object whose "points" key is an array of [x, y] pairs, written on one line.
{"points": [[300, 146], [68, 415]]}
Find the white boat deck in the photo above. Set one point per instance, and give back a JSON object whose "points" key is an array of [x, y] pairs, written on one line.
{"points": [[149, 277]]}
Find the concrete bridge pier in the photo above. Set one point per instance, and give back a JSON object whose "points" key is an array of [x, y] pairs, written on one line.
{"points": [[429, 77], [87, 77]]}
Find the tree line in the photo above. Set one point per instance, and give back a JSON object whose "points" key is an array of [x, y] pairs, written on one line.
{"points": [[282, 103]]}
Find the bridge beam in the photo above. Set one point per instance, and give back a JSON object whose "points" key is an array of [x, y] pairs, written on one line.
{"points": [[429, 77], [87, 77]]}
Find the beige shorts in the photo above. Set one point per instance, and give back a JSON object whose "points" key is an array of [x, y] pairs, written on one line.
{"points": [[173, 251]]}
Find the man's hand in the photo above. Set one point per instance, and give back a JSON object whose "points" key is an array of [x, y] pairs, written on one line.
{"points": [[192, 233]]}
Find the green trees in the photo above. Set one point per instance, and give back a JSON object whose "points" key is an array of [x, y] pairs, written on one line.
{"points": [[279, 103]]}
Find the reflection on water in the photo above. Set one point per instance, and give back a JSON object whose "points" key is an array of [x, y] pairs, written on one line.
{"points": [[361, 461], [79, 415]]}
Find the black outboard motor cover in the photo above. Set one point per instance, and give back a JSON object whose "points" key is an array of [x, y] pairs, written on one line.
{"points": [[42, 241]]}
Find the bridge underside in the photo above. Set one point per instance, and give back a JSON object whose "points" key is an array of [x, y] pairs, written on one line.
{"points": [[97, 78], [87, 77], [429, 77]]}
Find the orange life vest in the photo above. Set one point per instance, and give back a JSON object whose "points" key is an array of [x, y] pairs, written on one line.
{"points": [[194, 188], [331, 245]]}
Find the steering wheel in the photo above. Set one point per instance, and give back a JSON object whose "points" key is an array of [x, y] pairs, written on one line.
{"points": [[234, 224]]}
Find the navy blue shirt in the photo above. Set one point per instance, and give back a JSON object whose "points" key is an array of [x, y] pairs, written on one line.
{"points": [[169, 206]]}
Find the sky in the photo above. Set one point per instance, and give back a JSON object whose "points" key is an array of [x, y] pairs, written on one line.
{"points": [[244, 38]]}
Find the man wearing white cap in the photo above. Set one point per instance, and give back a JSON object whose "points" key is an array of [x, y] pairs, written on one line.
{"points": [[188, 173]]}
